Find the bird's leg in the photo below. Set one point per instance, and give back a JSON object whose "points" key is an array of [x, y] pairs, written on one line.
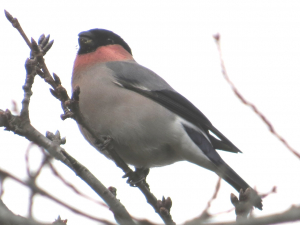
{"points": [[137, 176], [103, 142], [134, 177]]}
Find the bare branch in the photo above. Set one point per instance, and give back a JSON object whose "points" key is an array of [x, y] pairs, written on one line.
{"points": [[264, 195], [291, 215], [218, 185], [60, 93], [15, 23], [244, 204], [252, 106], [51, 146], [21, 124], [120, 213], [59, 221], [15, 108], [38, 190], [55, 172], [205, 215], [8, 218], [274, 190], [105, 141]]}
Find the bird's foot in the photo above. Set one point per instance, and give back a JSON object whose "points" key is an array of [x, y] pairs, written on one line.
{"points": [[103, 142], [137, 176]]}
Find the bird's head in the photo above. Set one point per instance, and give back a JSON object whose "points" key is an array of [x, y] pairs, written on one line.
{"points": [[91, 40], [100, 46]]}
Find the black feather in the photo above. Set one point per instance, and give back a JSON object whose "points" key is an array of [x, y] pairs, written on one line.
{"points": [[224, 171], [162, 93]]}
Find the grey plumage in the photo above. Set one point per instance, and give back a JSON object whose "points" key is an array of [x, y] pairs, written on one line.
{"points": [[137, 124], [145, 133], [142, 80], [151, 124]]}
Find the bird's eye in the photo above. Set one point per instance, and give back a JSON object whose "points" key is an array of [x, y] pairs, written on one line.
{"points": [[110, 41]]}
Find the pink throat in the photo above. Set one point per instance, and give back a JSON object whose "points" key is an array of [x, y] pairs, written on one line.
{"points": [[102, 54]]}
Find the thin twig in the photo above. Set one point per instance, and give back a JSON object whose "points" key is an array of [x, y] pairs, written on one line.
{"points": [[15, 108], [27, 158], [273, 191], [45, 194], [291, 215], [16, 24], [205, 215], [217, 188], [56, 173], [21, 124], [30, 204], [9, 218], [252, 106], [1, 186], [38, 51]]}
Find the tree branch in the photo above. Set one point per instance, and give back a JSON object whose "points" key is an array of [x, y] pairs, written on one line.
{"points": [[36, 65], [38, 190], [252, 106], [21, 124], [292, 214], [8, 218]]}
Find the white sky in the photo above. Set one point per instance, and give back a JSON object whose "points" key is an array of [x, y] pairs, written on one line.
{"points": [[261, 49]]}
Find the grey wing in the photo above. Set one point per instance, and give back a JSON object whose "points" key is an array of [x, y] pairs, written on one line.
{"points": [[137, 75], [139, 79]]}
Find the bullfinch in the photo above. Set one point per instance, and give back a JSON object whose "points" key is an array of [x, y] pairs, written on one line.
{"points": [[151, 124]]}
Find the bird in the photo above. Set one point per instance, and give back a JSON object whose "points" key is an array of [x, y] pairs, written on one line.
{"points": [[150, 123]]}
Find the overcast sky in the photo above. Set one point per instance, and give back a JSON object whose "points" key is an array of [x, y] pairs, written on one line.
{"points": [[261, 50]]}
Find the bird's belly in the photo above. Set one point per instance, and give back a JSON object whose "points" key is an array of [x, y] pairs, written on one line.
{"points": [[138, 126]]}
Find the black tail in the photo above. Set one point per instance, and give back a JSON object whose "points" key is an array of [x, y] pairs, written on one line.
{"points": [[231, 177], [223, 170]]}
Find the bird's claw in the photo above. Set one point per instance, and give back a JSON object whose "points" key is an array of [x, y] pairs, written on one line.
{"points": [[103, 142], [137, 176]]}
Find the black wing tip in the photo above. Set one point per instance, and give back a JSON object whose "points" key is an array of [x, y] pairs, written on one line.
{"points": [[222, 145], [232, 150], [238, 151]]}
